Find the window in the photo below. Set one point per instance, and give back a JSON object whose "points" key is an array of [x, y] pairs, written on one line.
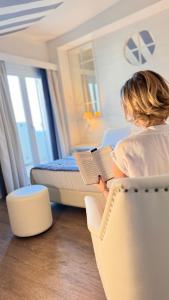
{"points": [[27, 94], [84, 78], [139, 48]]}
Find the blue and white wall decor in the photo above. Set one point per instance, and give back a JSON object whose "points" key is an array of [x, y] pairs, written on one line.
{"points": [[139, 48], [17, 15]]}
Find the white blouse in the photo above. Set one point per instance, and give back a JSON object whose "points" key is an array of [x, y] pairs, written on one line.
{"points": [[144, 153]]}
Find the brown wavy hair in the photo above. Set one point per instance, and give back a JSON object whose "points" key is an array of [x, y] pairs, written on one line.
{"points": [[145, 97]]}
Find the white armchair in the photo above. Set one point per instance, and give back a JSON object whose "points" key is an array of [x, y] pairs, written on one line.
{"points": [[131, 238]]}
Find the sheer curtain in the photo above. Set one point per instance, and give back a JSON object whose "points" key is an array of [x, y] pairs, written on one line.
{"points": [[59, 112], [11, 159]]}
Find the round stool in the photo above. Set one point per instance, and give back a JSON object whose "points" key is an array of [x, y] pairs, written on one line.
{"points": [[29, 210]]}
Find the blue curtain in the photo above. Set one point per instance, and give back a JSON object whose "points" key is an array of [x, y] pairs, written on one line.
{"points": [[3, 192], [52, 128]]}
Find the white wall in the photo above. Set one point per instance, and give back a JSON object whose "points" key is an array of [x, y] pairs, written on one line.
{"points": [[113, 70], [20, 45]]}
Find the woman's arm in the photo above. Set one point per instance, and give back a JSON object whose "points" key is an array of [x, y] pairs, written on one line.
{"points": [[102, 185], [117, 172]]}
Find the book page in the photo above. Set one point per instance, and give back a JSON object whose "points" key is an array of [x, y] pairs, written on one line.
{"points": [[104, 162], [88, 167]]}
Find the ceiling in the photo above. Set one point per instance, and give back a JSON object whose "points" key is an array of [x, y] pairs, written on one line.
{"points": [[66, 17], [17, 15]]}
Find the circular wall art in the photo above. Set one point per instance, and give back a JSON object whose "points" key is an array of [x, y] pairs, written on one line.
{"points": [[139, 48]]}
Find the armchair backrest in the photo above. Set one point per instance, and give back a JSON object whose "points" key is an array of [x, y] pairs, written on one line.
{"points": [[132, 244]]}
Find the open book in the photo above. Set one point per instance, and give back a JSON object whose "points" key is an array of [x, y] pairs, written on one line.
{"points": [[94, 163]]}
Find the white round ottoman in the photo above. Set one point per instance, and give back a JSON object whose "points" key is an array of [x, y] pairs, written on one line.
{"points": [[29, 210]]}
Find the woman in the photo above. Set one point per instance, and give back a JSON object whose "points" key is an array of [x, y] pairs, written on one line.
{"points": [[145, 100]]}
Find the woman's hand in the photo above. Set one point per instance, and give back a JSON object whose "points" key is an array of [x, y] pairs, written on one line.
{"points": [[102, 186]]}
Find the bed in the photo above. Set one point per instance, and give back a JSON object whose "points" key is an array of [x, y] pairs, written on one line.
{"points": [[62, 177]]}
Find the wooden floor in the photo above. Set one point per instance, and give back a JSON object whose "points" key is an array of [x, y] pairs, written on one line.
{"points": [[58, 264]]}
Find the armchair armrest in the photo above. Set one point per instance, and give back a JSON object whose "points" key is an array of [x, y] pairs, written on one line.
{"points": [[94, 211]]}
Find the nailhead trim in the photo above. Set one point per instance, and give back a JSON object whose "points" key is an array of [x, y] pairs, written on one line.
{"points": [[115, 192]]}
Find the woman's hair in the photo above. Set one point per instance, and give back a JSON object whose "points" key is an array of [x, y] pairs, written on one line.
{"points": [[145, 97]]}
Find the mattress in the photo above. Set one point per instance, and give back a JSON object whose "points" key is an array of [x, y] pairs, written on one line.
{"points": [[64, 182], [61, 179]]}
